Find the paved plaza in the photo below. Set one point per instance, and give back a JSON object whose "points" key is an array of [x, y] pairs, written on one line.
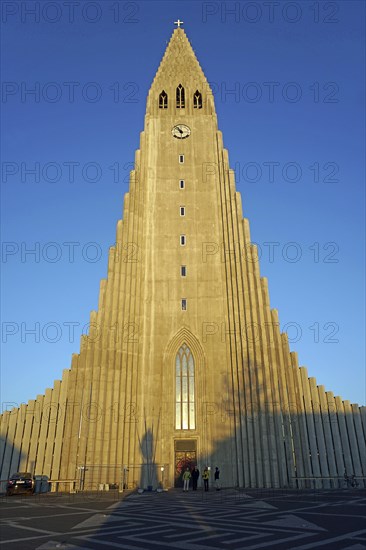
{"points": [[225, 520]]}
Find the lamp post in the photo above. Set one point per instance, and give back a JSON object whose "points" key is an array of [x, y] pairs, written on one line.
{"points": [[82, 469], [162, 477], [124, 480]]}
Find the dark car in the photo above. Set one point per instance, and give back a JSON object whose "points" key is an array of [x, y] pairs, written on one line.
{"points": [[21, 482]]}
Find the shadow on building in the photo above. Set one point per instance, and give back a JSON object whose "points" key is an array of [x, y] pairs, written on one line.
{"points": [[149, 478]]}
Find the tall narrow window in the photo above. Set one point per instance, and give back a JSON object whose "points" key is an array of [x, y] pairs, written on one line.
{"points": [[183, 240], [181, 159], [163, 100], [184, 304], [180, 97], [181, 184], [184, 390], [183, 270], [197, 100], [182, 210]]}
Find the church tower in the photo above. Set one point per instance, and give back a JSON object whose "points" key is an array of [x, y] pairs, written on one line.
{"points": [[184, 362]]}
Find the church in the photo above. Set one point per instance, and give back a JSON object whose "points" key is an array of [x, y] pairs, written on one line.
{"points": [[184, 362]]}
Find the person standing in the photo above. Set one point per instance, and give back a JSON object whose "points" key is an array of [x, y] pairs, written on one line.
{"points": [[217, 479], [186, 477], [206, 477], [195, 476]]}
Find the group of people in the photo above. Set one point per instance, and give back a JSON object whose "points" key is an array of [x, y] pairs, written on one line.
{"points": [[195, 474]]}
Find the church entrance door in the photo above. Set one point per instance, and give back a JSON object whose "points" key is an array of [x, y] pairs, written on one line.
{"points": [[185, 457]]}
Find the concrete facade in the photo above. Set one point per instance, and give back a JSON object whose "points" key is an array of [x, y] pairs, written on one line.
{"points": [[184, 304]]}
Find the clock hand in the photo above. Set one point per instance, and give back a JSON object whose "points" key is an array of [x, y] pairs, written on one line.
{"points": [[179, 130]]}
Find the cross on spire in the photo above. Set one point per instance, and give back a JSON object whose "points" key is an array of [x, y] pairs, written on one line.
{"points": [[179, 23]]}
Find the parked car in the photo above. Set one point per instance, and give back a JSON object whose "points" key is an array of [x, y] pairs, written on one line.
{"points": [[21, 482]]}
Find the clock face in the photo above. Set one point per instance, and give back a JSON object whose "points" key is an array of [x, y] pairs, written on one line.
{"points": [[181, 131]]}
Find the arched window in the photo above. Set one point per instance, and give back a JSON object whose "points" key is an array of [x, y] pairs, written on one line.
{"points": [[180, 97], [185, 413], [197, 100], [163, 100]]}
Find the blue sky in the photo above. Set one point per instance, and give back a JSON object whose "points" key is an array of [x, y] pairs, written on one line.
{"points": [[289, 90]]}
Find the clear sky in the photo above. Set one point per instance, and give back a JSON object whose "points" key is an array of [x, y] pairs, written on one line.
{"points": [[288, 79]]}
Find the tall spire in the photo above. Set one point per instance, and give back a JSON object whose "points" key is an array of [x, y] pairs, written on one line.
{"points": [[179, 65]]}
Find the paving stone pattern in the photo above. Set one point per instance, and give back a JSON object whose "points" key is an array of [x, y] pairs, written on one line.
{"points": [[227, 519]]}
